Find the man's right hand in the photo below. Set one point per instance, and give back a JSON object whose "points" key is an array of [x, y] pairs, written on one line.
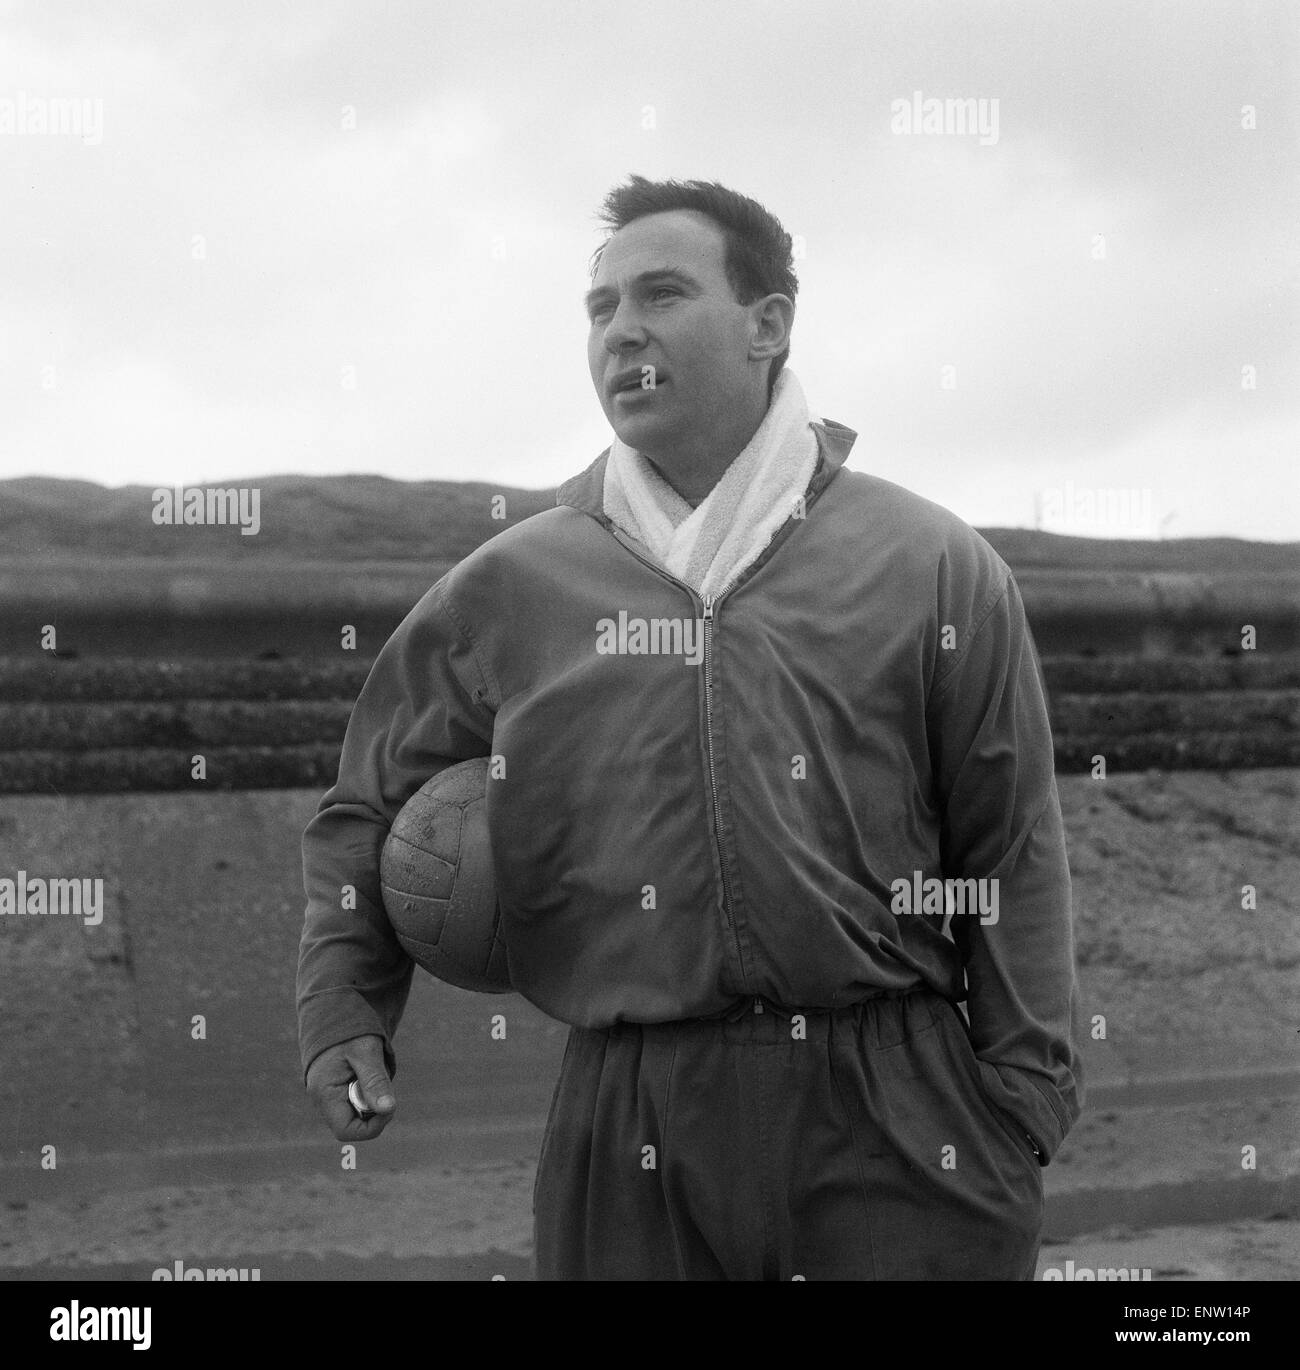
{"points": [[328, 1077]]}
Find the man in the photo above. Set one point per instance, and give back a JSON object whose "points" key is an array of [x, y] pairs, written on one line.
{"points": [[778, 796]]}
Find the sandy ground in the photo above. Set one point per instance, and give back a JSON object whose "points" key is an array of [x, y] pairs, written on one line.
{"points": [[473, 1223], [208, 1153], [1216, 1251], [1152, 1180], [1187, 979]]}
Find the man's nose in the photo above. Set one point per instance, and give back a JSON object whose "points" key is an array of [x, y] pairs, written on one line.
{"points": [[624, 333]]}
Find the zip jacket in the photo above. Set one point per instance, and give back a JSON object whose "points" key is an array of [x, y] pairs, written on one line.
{"points": [[833, 779]]}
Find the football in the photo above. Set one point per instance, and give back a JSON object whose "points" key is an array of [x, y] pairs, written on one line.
{"points": [[436, 875]]}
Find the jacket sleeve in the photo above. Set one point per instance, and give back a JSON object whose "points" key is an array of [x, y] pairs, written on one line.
{"points": [[424, 707], [992, 749]]}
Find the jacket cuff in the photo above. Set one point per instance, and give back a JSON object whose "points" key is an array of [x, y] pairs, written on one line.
{"points": [[1032, 1101], [335, 1016]]}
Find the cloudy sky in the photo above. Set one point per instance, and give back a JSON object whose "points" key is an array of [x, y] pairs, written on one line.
{"points": [[327, 238]]}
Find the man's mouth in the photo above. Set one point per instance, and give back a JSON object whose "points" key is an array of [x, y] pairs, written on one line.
{"points": [[636, 382]]}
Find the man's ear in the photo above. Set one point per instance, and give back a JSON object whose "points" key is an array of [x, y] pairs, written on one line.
{"points": [[772, 318]]}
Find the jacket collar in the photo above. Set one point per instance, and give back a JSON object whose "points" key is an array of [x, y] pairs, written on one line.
{"points": [[586, 491]]}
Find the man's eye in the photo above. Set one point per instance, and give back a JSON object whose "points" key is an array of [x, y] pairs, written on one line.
{"points": [[662, 290]]}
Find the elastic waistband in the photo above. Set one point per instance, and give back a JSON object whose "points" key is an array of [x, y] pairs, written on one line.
{"points": [[881, 1019], [760, 1003]]}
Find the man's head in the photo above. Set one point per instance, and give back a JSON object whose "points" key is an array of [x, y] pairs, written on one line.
{"points": [[696, 282]]}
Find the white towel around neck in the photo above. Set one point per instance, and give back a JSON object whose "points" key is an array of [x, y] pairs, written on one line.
{"points": [[708, 547]]}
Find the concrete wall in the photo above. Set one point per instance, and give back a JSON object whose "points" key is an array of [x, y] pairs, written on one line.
{"points": [[155, 609]]}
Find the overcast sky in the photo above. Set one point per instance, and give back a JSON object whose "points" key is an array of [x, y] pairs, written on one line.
{"points": [[329, 238]]}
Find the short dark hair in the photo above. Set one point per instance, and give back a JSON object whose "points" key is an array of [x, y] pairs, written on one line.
{"points": [[759, 258]]}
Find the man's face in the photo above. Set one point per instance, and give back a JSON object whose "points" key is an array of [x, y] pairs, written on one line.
{"points": [[660, 298]]}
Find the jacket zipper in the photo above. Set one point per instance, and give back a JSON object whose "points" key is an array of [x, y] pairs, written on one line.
{"points": [[727, 911], [709, 602]]}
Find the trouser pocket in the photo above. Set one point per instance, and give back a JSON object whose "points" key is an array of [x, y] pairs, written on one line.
{"points": [[949, 1192], [953, 1027]]}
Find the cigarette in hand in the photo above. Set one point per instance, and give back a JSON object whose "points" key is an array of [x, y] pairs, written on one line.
{"points": [[358, 1103]]}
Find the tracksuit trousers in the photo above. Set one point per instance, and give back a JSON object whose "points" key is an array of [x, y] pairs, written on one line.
{"points": [[779, 1144]]}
